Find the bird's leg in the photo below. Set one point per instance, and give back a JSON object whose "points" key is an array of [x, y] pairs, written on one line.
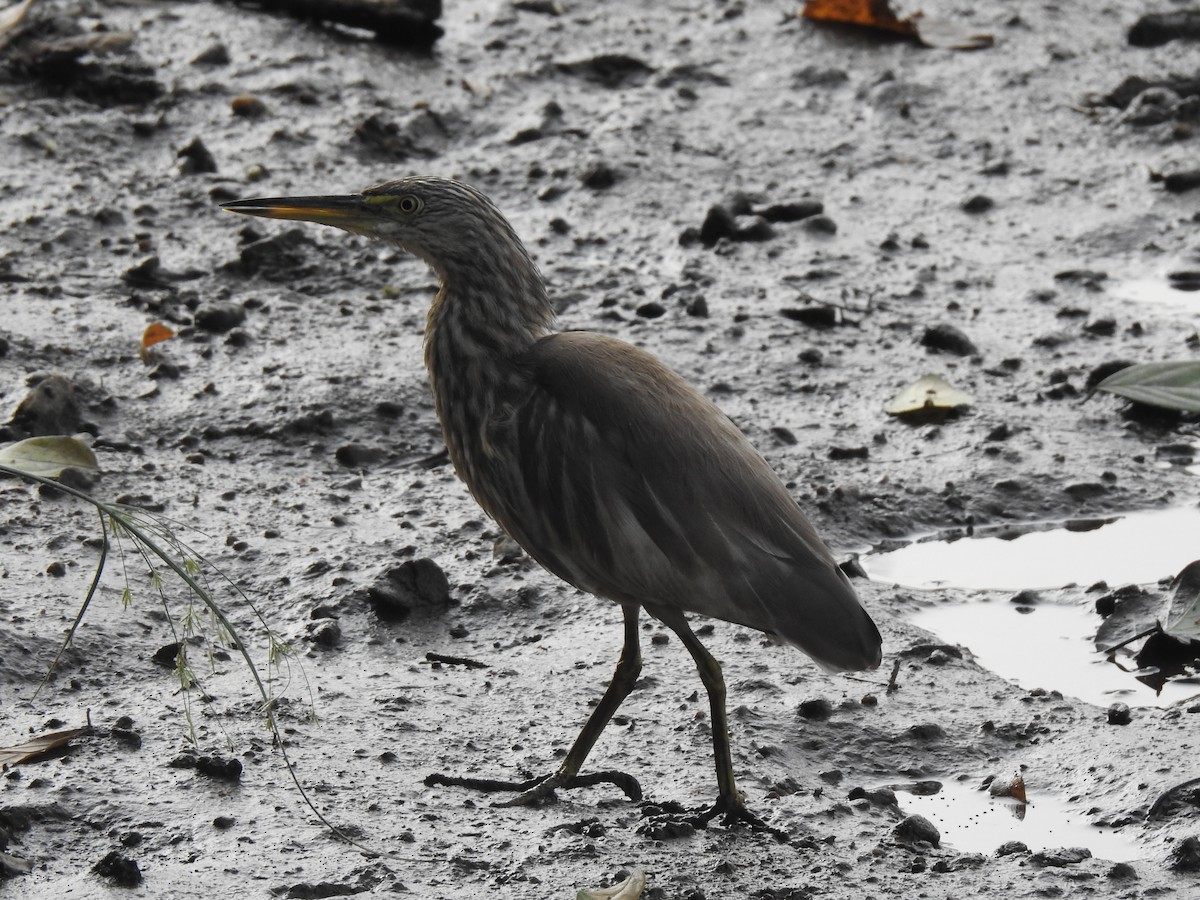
{"points": [[536, 790], [729, 805]]}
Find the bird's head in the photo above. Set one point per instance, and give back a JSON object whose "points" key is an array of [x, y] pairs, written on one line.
{"points": [[445, 222]]}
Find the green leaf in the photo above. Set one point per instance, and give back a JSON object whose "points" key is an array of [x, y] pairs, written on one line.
{"points": [[1173, 385], [1183, 612], [48, 456]]}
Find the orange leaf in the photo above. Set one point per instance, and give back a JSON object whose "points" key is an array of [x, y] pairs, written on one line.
{"points": [[155, 333], [878, 14], [873, 13]]}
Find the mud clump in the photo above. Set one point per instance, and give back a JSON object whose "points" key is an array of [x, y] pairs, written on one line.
{"points": [[418, 584]]}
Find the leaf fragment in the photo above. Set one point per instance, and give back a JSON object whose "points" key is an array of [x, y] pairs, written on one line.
{"points": [[629, 889], [155, 333], [1174, 384], [33, 750], [942, 33], [929, 393], [49, 455], [1183, 610]]}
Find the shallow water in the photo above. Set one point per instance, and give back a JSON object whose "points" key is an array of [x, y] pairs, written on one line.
{"points": [[973, 821], [1046, 646], [1135, 548]]}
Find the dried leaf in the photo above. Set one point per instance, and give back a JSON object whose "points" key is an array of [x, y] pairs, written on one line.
{"points": [[155, 333], [47, 456], [629, 889], [10, 19], [878, 14], [32, 750], [1183, 612], [929, 393], [1172, 385]]}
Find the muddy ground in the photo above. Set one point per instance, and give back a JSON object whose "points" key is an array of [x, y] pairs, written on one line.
{"points": [[289, 423]]}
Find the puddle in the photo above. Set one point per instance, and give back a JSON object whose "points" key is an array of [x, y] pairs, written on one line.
{"points": [[1056, 651], [1183, 290], [1136, 548], [973, 821]]}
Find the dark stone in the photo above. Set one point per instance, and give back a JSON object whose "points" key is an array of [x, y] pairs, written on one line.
{"points": [[915, 830], [817, 708], [979, 203], [948, 338], [219, 316], [196, 159], [816, 316], [280, 257], [698, 308], [1009, 848], [219, 767], [1179, 182], [414, 584], [1062, 856], [355, 456], [1119, 714], [248, 106], [50, 408], [223, 823], [422, 135], [216, 55], [1105, 327], [820, 224], [1122, 871], [611, 70], [752, 229], [119, 869], [718, 223], [926, 731], [598, 176], [1156, 29], [1085, 490], [792, 212], [1185, 857], [128, 737], [849, 453], [326, 633], [651, 310]]}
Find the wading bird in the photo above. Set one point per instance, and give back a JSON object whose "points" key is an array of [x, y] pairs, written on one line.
{"points": [[610, 469]]}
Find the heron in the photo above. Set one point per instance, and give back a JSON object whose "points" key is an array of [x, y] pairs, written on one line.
{"points": [[610, 469]]}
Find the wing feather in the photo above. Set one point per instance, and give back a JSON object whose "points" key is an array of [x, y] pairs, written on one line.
{"points": [[635, 487]]}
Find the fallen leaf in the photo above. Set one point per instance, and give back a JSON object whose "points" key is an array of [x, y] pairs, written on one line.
{"points": [[10, 18], [928, 394], [31, 750], [941, 33], [629, 889], [1183, 610], [47, 456], [1172, 385], [155, 333]]}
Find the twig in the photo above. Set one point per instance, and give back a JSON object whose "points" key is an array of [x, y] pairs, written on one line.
{"points": [[892, 687]]}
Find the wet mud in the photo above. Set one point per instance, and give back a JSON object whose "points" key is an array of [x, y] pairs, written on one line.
{"points": [[800, 219]]}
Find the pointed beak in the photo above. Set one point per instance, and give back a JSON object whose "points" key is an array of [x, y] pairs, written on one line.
{"points": [[349, 212]]}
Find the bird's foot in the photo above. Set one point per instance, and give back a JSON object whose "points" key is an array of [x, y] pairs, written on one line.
{"points": [[537, 791], [672, 820]]}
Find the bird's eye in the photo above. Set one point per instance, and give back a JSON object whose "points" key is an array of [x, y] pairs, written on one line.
{"points": [[408, 204]]}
